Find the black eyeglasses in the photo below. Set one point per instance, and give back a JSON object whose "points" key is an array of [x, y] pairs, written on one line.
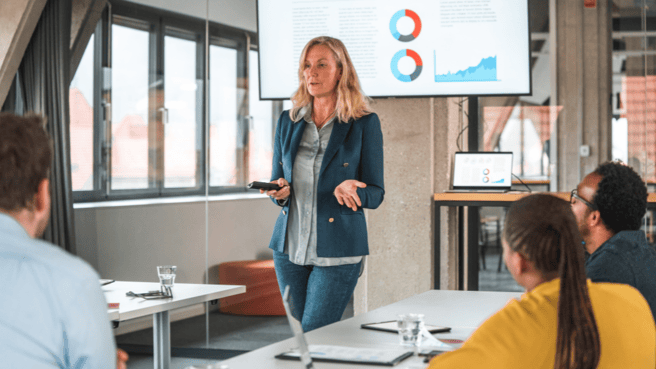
{"points": [[575, 195], [163, 293]]}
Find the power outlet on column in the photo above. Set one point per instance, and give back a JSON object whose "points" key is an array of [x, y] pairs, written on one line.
{"points": [[584, 150]]}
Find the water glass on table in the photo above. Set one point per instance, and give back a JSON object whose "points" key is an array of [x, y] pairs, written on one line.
{"points": [[166, 275], [410, 329]]}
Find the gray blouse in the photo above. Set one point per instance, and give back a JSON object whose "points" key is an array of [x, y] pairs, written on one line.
{"points": [[301, 240]]}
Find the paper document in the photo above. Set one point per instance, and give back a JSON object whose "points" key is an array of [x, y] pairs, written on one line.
{"points": [[429, 340]]}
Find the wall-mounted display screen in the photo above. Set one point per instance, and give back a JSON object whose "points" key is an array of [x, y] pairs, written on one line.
{"points": [[405, 48]]}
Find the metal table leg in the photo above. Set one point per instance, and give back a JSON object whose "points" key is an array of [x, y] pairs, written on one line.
{"points": [[161, 340], [437, 249]]}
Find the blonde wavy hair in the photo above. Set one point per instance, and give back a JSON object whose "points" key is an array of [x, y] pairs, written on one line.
{"points": [[352, 103]]}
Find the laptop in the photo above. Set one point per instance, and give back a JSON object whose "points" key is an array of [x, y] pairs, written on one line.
{"points": [[335, 354], [297, 329], [482, 172]]}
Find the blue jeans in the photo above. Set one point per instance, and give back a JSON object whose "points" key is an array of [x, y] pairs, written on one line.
{"points": [[319, 295]]}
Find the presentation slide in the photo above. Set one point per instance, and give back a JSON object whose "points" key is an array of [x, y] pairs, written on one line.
{"points": [[402, 48]]}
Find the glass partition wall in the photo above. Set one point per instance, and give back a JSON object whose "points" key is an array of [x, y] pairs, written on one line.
{"points": [[165, 116], [634, 92], [525, 125]]}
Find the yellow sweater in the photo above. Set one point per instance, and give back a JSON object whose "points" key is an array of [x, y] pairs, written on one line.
{"points": [[523, 333]]}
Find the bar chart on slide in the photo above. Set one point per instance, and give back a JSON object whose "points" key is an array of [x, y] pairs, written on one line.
{"points": [[485, 71]]}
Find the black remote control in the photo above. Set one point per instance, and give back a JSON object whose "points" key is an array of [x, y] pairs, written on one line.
{"points": [[267, 186]]}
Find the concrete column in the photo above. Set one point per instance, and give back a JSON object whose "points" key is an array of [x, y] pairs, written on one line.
{"points": [[419, 142], [449, 122], [18, 19], [584, 80]]}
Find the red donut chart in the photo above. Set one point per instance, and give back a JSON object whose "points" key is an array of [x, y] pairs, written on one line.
{"points": [[395, 65], [395, 19]]}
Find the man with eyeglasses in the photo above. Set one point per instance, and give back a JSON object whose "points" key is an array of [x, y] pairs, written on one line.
{"points": [[609, 205]]}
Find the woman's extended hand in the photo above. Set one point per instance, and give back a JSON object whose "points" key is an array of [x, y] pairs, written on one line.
{"points": [[121, 359], [282, 193], [346, 193]]}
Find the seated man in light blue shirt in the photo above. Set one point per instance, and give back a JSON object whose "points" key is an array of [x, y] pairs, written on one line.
{"points": [[52, 311]]}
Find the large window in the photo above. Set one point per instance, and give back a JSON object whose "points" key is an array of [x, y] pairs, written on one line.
{"points": [[524, 124], [81, 126], [182, 95], [261, 138], [634, 88], [224, 119], [129, 107], [144, 72]]}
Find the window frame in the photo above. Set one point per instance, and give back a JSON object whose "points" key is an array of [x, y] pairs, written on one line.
{"points": [[161, 23]]}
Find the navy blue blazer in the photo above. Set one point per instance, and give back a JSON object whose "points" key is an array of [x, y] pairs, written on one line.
{"points": [[354, 151]]}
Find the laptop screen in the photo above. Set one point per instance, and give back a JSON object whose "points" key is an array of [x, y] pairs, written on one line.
{"points": [[297, 329], [482, 170]]}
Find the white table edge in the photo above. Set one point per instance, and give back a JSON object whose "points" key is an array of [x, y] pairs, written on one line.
{"points": [[234, 290]]}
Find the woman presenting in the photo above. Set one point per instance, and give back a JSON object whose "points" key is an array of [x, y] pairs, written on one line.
{"points": [[328, 159]]}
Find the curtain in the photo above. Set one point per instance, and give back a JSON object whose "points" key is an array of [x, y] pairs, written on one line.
{"points": [[10, 101], [43, 85]]}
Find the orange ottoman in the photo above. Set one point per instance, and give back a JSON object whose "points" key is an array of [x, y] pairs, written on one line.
{"points": [[262, 295]]}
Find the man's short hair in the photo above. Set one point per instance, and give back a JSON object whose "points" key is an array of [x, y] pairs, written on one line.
{"points": [[25, 156], [621, 197]]}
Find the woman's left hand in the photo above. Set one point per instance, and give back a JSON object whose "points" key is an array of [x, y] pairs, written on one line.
{"points": [[346, 193], [121, 359]]}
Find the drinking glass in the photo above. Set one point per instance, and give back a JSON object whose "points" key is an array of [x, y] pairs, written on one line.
{"points": [[166, 275], [410, 327]]}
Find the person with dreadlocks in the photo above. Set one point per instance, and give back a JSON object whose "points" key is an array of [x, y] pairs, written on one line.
{"points": [[563, 320]]}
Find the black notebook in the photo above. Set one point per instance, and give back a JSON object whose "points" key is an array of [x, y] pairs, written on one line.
{"points": [[391, 326]]}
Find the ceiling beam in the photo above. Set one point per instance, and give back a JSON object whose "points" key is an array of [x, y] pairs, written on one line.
{"points": [[18, 20]]}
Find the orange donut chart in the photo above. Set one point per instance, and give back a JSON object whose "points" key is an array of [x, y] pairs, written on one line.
{"points": [[395, 19], [395, 65]]}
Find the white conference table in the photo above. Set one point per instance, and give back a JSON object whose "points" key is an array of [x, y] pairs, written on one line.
{"points": [[463, 311], [112, 314], [184, 294]]}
